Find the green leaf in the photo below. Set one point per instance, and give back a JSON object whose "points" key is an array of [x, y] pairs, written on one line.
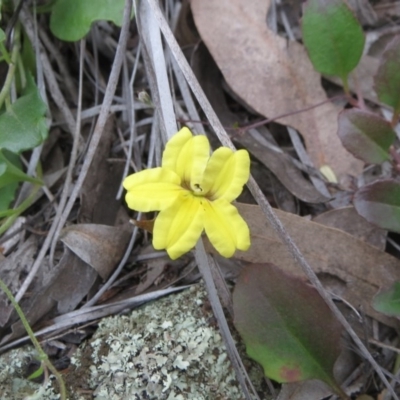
{"points": [[379, 203], [7, 187], [365, 135], [7, 195], [2, 35], [388, 302], [286, 325], [23, 125], [71, 19], [387, 79], [36, 374], [10, 170], [333, 37]]}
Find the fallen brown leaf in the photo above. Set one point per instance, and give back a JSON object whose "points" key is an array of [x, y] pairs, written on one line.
{"points": [[306, 390], [357, 269], [272, 75], [348, 220], [277, 162]]}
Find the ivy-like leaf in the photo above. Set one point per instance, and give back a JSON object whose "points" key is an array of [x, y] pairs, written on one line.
{"points": [[7, 195], [333, 37], [71, 19], [23, 125], [365, 135], [387, 79], [388, 302], [379, 203], [286, 325]]}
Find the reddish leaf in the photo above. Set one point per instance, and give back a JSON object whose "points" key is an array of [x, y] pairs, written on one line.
{"points": [[367, 136], [387, 79], [379, 203], [286, 325]]}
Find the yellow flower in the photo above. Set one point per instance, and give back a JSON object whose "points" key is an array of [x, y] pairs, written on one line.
{"points": [[193, 191]]}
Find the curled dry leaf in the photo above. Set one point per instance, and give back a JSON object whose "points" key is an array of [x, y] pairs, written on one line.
{"points": [[272, 75], [100, 246]]}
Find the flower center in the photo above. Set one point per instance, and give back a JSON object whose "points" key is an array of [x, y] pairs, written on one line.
{"points": [[197, 189]]}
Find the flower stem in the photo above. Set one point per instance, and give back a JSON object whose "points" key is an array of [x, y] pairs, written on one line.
{"points": [[12, 65], [4, 52], [42, 355], [19, 210]]}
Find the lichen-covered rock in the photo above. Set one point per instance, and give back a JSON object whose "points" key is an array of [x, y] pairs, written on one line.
{"points": [[165, 350], [169, 349]]}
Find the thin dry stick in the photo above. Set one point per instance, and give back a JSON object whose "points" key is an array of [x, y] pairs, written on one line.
{"points": [[256, 191], [54, 89], [74, 155], [61, 62], [110, 90], [132, 118], [203, 261]]}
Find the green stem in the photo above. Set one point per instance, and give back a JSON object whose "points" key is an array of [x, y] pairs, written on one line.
{"points": [[395, 118], [19, 210], [12, 65], [346, 86], [5, 53], [42, 355]]}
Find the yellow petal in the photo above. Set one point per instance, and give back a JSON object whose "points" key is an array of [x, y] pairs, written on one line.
{"points": [[225, 228], [178, 228], [226, 174], [187, 155], [152, 189]]}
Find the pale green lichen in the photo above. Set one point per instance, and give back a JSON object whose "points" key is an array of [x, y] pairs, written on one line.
{"points": [[166, 350]]}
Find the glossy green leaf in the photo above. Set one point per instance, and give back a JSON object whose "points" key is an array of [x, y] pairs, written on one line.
{"points": [[379, 203], [286, 325], [388, 302], [333, 37], [2, 35], [387, 79], [365, 135], [71, 19], [23, 125]]}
